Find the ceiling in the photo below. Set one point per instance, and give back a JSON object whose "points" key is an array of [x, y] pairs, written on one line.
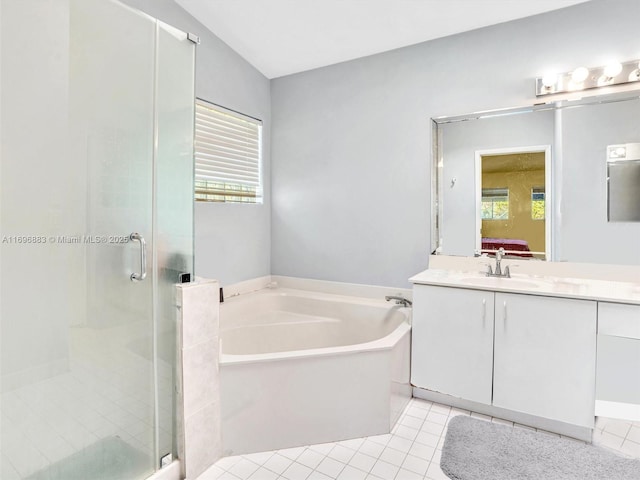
{"points": [[281, 37], [516, 162]]}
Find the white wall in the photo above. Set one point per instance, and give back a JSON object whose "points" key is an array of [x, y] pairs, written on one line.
{"points": [[351, 142], [232, 242]]}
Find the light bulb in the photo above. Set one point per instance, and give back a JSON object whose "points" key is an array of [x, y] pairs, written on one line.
{"points": [[549, 80], [612, 70], [579, 75]]}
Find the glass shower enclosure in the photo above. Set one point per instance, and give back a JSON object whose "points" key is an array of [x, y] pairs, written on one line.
{"points": [[96, 225]]}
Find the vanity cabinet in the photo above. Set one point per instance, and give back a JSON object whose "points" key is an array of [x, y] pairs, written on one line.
{"points": [[453, 341], [530, 354], [545, 357]]}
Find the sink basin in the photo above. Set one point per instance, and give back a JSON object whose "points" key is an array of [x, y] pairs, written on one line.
{"points": [[499, 282]]}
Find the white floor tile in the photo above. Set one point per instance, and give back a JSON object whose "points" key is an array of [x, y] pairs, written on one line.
{"points": [[330, 467], [401, 444], [384, 470], [411, 422], [322, 448], [501, 421], [408, 475], [353, 444], [438, 418], [371, 448], [226, 463], [212, 473], [440, 408], [394, 457], [277, 463], [362, 462], [435, 473], [227, 476], [342, 454], [428, 439], [459, 411], [631, 449], [432, 428], [416, 465], [420, 403], [406, 432], [318, 476], [310, 458], [350, 473], [608, 440], [417, 412], [526, 427], [292, 453], [297, 471], [481, 416], [258, 458], [263, 474], [422, 451], [617, 427], [634, 434], [243, 469], [381, 439]]}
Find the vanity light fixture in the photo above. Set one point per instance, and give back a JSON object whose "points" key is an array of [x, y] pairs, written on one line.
{"points": [[579, 75], [635, 75], [582, 78]]}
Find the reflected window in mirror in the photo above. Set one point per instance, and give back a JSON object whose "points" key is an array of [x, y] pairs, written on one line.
{"points": [[495, 203], [537, 203]]}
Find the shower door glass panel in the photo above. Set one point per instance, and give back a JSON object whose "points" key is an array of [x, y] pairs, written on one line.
{"points": [[173, 209], [78, 374]]}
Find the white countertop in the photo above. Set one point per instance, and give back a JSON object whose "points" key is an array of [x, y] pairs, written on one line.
{"points": [[580, 288]]}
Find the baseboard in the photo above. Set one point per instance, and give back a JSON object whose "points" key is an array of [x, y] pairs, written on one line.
{"points": [[624, 411], [555, 426], [170, 472]]}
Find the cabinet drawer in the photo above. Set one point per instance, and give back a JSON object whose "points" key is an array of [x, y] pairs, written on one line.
{"points": [[618, 319]]}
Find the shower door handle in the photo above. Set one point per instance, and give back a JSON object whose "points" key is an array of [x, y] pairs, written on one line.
{"points": [[138, 277]]}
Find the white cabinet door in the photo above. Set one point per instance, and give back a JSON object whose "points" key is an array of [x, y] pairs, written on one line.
{"points": [[545, 357], [452, 341]]}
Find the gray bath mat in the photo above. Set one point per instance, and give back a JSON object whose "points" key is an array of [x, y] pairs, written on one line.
{"points": [[479, 450]]}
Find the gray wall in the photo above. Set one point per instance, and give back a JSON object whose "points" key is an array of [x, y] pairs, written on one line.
{"points": [[232, 242], [351, 142]]}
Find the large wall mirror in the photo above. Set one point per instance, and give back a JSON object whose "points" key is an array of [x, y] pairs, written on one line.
{"points": [[547, 182]]}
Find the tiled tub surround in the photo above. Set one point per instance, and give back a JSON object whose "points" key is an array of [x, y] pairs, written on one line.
{"points": [[301, 367], [199, 444]]}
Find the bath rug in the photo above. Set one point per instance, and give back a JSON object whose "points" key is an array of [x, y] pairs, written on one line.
{"points": [[480, 450]]}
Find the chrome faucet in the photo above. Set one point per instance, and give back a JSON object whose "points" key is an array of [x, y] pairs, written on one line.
{"points": [[498, 272], [399, 300]]}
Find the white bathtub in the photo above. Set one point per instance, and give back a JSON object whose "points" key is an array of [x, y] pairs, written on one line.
{"points": [[300, 367]]}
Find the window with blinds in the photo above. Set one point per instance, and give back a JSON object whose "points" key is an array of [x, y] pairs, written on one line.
{"points": [[228, 155]]}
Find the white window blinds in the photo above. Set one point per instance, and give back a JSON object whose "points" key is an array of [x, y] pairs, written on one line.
{"points": [[228, 155]]}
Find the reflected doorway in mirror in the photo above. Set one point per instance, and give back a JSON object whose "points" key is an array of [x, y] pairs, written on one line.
{"points": [[512, 204]]}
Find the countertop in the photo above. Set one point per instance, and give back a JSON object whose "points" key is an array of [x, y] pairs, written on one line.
{"points": [[579, 288]]}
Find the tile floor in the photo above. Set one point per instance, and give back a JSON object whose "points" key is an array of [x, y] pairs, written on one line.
{"points": [[410, 452], [106, 394]]}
